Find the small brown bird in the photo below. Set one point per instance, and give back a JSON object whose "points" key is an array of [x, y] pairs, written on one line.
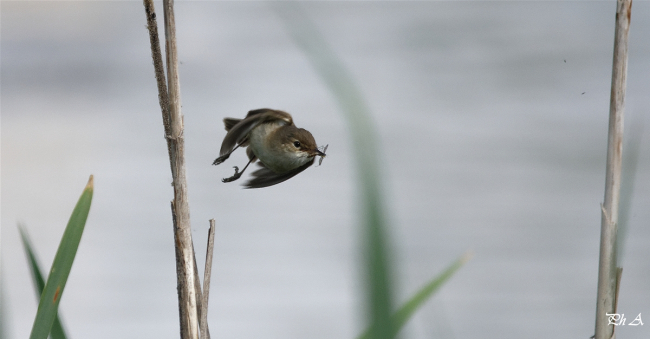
{"points": [[270, 136]]}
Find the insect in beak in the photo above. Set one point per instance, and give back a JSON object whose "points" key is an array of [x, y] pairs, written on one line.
{"points": [[322, 154]]}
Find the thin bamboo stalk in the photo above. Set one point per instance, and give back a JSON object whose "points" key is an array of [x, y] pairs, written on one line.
{"points": [[607, 269], [170, 103]]}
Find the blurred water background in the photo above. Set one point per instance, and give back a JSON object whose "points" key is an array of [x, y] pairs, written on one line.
{"points": [[492, 119]]}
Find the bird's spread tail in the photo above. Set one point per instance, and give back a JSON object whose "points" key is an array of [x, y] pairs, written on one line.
{"points": [[230, 123]]}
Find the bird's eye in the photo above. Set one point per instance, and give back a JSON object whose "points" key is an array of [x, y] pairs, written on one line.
{"points": [[297, 144]]}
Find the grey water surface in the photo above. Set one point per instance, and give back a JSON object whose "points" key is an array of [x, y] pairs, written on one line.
{"points": [[492, 122]]}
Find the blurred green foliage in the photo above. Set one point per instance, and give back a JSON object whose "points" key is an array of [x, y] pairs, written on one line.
{"points": [[376, 250]]}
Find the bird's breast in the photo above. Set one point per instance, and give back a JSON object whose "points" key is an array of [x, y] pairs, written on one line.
{"points": [[271, 151]]}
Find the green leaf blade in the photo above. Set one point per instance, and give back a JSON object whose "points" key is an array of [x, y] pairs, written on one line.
{"points": [[53, 290], [34, 267], [404, 313], [408, 309], [57, 331]]}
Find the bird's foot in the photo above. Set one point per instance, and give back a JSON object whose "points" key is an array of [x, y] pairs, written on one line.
{"points": [[234, 177]]}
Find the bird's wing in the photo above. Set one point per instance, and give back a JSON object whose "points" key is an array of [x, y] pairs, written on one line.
{"points": [[239, 131], [264, 177]]}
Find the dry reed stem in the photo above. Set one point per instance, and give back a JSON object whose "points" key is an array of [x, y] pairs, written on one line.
{"points": [[203, 322], [170, 103], [607, 269]]}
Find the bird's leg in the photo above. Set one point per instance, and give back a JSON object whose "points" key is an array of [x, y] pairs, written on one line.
{"points": [[237, 172], [225, 156]]}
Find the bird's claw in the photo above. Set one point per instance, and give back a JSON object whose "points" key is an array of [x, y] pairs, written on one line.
{"points": [[234, 177]]}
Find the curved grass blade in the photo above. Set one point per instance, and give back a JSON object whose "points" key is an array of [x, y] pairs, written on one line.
{"points": [[51, 296], [57, 331], [375, 246], [407, 310]]}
